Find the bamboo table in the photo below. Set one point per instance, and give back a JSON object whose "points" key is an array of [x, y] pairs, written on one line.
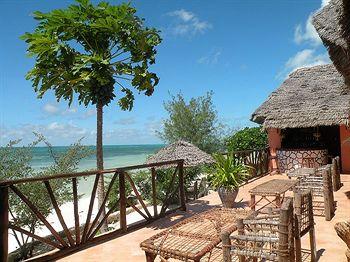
{"points": [[194, 237], [275, 188]]}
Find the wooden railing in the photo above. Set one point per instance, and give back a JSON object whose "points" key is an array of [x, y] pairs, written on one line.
{"points": [[257, 158], [86, 234]]}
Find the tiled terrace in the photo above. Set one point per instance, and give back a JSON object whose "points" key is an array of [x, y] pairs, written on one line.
{"points": [[126, 248]]}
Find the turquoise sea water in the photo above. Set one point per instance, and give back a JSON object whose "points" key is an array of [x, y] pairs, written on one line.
{"points": [[114, 156]]}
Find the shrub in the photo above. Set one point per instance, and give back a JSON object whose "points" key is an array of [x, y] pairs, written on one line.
{"points": [[246, 139]]}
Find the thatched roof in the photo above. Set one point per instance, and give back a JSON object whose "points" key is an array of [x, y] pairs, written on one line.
{"points": [[191, 154], [314, 96], [332, 23]]}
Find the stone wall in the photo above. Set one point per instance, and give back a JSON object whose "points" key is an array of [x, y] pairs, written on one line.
{"points": [[288, 160]]}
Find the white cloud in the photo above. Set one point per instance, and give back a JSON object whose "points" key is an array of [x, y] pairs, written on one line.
{"points": [[325, 2], [125, 121], [187, 23], [307, 33], [51, 108], [304, 58], [89, 113], [210, 59], [55, 132]]}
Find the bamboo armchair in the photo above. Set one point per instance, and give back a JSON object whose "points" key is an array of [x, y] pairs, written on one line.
{"points": [[268, 237], [304, 223], [321, 186]]}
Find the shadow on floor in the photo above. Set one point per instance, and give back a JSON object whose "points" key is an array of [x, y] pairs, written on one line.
{"points": [[193, 208]]}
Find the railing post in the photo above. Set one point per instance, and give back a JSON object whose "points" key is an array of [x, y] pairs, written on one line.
{"points": [[4, 220], [122, 202], [182, 186], [154, 192], [328, 194], [226, 243]]}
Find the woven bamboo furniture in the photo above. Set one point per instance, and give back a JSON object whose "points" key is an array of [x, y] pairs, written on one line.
{"points": [[321, 187], [194, 237], [306, 171], [304, 223], [308, 162], [272, 192], [269, 237], [301, 172]]}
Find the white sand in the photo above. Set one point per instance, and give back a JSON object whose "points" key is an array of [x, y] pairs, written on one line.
{"points": [[68, 215]]}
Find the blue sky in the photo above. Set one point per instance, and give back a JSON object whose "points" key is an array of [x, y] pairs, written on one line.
{"points": [[240, 49]]}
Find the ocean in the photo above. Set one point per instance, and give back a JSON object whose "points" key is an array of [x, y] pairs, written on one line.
{"points": [[113, 156]]}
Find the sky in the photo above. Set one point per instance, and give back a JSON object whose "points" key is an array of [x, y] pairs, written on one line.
{"points": [[240, 49]]}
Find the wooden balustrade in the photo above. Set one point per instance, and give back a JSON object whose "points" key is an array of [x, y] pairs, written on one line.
{"points": [[257, 158], [80, 236]]}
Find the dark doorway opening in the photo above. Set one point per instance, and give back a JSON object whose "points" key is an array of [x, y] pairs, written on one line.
{"points": [[323, 137]]}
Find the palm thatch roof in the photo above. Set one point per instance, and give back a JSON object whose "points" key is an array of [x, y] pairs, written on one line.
{"points": [[332, 23], [314, 96], [191, 154]]}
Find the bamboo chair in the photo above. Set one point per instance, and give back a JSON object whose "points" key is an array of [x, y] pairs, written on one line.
{"points": [[268, 237], [304, 223], [321, 187], [308, 162]]}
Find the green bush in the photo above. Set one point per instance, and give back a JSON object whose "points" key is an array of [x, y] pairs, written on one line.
{"points": [[227, 172], [246, 139]]}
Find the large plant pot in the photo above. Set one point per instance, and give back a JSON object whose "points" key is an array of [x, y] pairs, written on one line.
{"points": [[228, 197]]}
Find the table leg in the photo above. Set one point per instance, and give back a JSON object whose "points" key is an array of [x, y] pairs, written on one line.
{"points": [[150, 257], [252, 202], [278, 201]]}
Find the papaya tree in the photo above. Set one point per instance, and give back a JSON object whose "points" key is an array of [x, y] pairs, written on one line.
{"points": [[96, 53]]}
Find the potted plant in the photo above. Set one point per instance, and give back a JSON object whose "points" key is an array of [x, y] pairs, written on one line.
{"points": [[226, 175]]}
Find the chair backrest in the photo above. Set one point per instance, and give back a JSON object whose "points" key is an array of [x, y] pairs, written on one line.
{"points": [[320, 185], [308, 162], [267, 236], [303, 212]]}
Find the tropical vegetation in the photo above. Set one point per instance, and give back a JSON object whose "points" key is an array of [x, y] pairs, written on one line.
{"points": [[195, 121], [95, 52], [227, 172], [246, 139], [15, 163]]}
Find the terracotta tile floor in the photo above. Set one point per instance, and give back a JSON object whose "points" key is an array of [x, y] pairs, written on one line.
{"points": [[126, 248]]}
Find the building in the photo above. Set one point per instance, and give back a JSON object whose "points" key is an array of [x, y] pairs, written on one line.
{"points": [[307, 119]]}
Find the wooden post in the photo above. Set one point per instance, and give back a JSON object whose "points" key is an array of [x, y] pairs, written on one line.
{"points": [[312, 236], [122, 202], [226, 246], [297, 210], [195, 190], [182, 186], [252, 202], [4, 221], [154, 192], [285, 248], [328, 194], [335, 175], [240, 231]]}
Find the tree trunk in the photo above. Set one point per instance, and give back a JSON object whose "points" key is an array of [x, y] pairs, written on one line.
{"points": [[99, 159], [343, 231]]}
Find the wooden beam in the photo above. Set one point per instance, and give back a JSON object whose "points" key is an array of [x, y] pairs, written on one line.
{"points": [[91, 205], [122, 202], [59, 213], [39, 215], [182, 186], [4, 221], [76, 211], [137, 194], [154, 192]]}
